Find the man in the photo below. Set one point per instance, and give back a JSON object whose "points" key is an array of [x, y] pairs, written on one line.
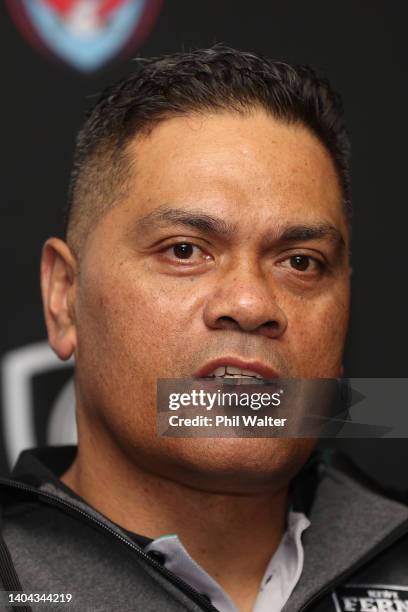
{"points": [[208, 229]]}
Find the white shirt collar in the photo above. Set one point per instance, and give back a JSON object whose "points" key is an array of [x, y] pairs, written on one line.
{"points": [[280, 578]]}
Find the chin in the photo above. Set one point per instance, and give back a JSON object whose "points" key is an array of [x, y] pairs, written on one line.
{"points": [[234, 465]]}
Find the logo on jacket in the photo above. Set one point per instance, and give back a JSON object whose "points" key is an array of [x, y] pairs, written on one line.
{"points": [[371, 598], [85, 34]]}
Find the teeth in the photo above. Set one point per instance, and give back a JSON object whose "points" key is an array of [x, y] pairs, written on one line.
{"points": [[250, 373], [233, 372]]}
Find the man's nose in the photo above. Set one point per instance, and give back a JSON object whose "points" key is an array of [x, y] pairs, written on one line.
{"points": [[245, 300]]}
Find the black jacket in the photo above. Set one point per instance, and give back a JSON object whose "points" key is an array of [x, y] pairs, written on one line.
{"points": [[356, 549]]}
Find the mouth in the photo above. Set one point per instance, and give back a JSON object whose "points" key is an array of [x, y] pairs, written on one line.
{"points": [[236, 369]]}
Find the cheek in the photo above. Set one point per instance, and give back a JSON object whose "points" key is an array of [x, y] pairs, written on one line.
{"points": [[128, 321], [120, 349], [317, 332]]}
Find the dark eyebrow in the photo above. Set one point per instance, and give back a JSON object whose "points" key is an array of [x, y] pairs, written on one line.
{"points": [[200, 220], [302, 233], [195, 218]]}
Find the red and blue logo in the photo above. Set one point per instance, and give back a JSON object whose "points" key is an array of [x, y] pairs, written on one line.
{"points": [[85, 34]]}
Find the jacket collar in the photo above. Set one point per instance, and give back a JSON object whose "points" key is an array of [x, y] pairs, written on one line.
{"points": [[349, 522], [43, 462], [36, 466]]}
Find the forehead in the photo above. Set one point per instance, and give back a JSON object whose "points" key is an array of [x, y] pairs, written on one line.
{"points": [[250, 167]]}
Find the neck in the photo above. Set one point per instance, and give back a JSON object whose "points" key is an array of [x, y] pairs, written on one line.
{"points": [[231, 536]]}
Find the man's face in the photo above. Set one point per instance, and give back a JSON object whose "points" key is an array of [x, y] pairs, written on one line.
{"points": [[263, 276]]}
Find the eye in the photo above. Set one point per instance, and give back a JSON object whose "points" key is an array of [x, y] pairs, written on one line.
{"points": [[301, 262], [304, 263], [184, 250]]}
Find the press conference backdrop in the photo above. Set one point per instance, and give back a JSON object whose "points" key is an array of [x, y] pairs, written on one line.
{"points": [[56, 55]]}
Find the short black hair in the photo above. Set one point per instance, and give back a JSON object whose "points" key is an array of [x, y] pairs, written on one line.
{"points": [[205, 80]]}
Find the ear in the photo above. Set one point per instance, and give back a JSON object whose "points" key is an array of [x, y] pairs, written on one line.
{"points": [[58, 288]]}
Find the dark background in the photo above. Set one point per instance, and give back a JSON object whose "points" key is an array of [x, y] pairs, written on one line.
{"points": [[361, 46]]}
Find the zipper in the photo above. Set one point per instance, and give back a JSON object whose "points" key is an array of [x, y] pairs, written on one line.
{"points": [[173, 578], [380, 547]]}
